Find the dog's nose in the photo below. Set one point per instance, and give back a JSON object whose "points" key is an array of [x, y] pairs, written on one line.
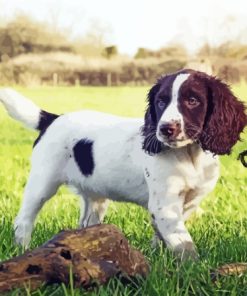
{"points": [[170, 129]]}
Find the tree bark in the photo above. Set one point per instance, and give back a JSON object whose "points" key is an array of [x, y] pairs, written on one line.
{"points": [[237, 269], [90, 255]]}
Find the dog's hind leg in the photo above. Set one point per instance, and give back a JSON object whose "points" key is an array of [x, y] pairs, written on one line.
{"points": [[39, 188], [101, 205], [92, 211]]}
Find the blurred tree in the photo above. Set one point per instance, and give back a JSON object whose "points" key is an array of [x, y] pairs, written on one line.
{"points": [[205, 51], [94, 41], [110, 51], [227, 50], [143, 53], [24, 35], [229, 73], [175, 50], [232, 50], [171, 51]]}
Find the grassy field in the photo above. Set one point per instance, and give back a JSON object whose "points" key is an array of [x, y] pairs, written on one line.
{"points": [[220, 234]]}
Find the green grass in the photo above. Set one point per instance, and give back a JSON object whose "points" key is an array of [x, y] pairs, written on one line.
{"points": [[220, 234]]}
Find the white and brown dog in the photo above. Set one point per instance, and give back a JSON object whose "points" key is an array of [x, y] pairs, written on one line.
{"points": [[166, 162]]}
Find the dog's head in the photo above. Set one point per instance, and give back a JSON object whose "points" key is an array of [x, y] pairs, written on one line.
{"points": [[190, 106]]}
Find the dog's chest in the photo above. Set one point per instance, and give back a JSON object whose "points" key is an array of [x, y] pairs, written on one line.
{"points": [[200, 172]]}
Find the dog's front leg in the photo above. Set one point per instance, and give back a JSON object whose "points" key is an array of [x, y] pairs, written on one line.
{"points": [[166, 208]]}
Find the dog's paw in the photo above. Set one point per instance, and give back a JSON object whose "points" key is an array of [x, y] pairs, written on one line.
{"points": [[155, 241], [186, 251], [22, 233]]}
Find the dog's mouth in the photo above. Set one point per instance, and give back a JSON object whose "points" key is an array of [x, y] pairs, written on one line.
{"points": [[179, 141]]}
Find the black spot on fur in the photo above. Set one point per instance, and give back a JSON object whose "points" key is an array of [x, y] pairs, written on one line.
{"points": [[39, 137], [147, 172], [83, 154], [45, 119]]}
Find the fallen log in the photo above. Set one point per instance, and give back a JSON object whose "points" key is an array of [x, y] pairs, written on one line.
{"points": [[238, 269], [91, 255]]}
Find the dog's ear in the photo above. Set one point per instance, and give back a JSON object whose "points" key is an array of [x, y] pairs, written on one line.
{"points": [[225, 119], [150, 112], [150, 143]]}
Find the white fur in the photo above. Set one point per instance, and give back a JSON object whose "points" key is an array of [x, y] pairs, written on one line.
{"points": [[19, 107], [123, 172], [172, 113]]}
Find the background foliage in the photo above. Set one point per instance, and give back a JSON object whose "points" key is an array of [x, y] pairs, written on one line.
{"points": [[33, 53]]}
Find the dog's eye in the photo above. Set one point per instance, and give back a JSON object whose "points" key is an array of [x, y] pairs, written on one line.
{"points": [[161, 104], [193, 102]]}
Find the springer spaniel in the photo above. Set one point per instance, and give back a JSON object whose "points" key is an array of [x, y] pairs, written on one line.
{"points": [[166, 162]]}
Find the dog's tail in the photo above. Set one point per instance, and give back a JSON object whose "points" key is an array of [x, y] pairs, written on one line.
{"points": [[24, 110]]}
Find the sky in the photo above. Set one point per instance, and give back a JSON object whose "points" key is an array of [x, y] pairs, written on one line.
{"points": [[130, 24]]}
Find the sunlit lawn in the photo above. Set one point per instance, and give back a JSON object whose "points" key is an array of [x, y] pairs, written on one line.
{"points": [[220, 234]]}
